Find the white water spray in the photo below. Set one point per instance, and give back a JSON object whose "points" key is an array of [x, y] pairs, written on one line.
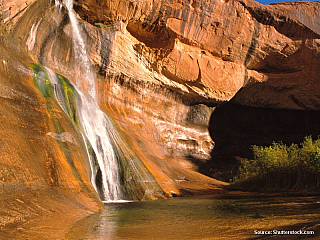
{"points": [[94, 126], [81, 53], [93, 122], [31, 41]]}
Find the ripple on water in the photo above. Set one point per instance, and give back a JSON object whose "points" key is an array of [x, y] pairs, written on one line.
{"points": [[197, 218]]}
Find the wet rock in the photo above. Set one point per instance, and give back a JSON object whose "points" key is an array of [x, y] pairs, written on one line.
{"points": [[161, 67]]}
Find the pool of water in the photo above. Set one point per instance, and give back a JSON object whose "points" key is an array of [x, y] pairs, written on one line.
{"points": [[235, 217]]}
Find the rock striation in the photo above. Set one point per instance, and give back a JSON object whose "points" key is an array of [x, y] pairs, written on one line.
{"points": [[213, 52], [224, 46], [161, 69]]}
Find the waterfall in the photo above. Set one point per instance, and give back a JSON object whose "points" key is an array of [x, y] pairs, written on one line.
{"points": [[106, 149], [93, 122], [80, 53], [93, 125]]}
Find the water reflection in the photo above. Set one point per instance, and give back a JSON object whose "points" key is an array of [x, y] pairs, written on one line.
{"points": [[102, 225], [197, 218]]}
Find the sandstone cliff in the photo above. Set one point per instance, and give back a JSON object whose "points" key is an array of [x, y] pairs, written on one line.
{"points": [[213, 52], [208, 50], [161, 68]]}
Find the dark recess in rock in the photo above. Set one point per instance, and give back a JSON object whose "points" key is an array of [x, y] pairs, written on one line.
{"points": [[235, 128]]}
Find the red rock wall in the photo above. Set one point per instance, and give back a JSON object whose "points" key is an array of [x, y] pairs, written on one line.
{"points": [[225, 45], [157, 63]]}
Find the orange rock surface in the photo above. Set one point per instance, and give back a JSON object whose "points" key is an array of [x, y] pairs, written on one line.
{"points": [[161, 67], [44, 184]]}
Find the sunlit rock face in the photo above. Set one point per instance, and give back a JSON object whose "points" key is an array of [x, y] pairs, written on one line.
{"points": [[44, 174], [28, 126], [208, 50], [161, 69], [166, 128]]}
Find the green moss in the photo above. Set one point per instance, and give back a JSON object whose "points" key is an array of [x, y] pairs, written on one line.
{"points": [[70, 100], [93, 155], [100, 25], [42, 81]]}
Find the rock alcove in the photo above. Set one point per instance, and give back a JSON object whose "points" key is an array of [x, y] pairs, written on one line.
{"points": [[158, 66], [235, 128]]}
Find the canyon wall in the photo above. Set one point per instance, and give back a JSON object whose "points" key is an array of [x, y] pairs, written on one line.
{"points": [[209, 50], [44, 171], [205, 54], [163, 70]]}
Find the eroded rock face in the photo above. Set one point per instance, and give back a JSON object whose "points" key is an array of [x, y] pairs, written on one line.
{"points": [[42, 178], [234, 44], [161, 68], [156, 121], [214, 51]]}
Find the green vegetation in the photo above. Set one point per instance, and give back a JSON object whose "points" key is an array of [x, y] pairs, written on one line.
{"points": [[42, 81], [68, 102], [67, 93], [281, 167], [70, 99]]}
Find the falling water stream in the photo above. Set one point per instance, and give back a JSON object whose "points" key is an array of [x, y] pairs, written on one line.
{"points": [[86, 77], [117, 173], [124, 176], [93, 121], [94, 124]]}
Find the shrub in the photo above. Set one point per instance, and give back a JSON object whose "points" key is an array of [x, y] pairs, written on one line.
{"points": [[281, 167]]}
